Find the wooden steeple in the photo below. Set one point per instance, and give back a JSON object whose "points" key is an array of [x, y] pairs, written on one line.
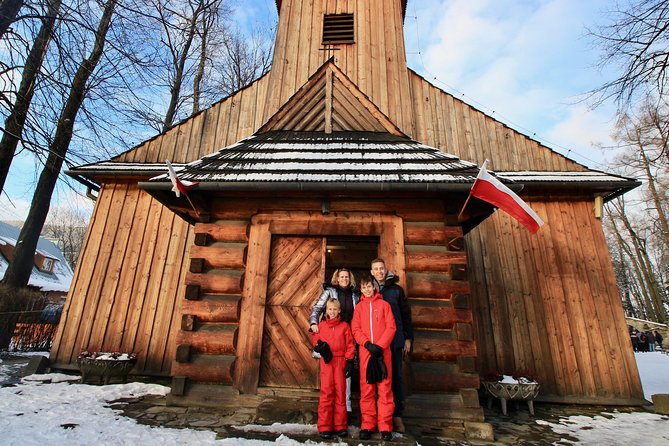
{"points": [[374, 60]]}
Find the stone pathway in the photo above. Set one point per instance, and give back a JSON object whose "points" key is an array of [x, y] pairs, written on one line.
{"points": [[516, 428]]}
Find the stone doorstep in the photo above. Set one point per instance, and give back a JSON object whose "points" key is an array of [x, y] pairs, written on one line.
{"points": [[352, 440]]}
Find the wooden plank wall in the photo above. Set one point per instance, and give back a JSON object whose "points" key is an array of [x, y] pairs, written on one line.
{"points": [[122, 297], [548, 303], [376, 62], [455, 127]]}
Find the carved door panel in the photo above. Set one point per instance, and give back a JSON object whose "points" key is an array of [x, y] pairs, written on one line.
{"points": [[297, 266]]}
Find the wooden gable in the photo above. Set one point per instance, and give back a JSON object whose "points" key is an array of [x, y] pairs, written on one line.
{"points": [[329, 102]]}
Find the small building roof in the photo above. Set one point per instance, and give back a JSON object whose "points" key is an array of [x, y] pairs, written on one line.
{"points": [[61, 277]]}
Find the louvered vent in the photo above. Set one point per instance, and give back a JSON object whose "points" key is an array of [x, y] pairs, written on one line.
{"points": [[338, 29]]}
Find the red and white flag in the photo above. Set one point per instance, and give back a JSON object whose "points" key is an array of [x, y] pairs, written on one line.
{"points": [[490, 189], [178, 186]]}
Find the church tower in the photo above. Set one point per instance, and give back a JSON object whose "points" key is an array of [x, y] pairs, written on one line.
{"points": [[364, 38]]}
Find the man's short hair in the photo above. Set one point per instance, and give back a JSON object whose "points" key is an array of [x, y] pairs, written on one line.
{"points": [[378, 260]]}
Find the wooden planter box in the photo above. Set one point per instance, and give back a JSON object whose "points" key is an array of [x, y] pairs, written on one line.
{"points": [[511, 392], [105, 369]]}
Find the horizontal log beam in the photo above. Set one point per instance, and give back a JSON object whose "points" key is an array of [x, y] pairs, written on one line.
{"points": [[206, 368], [213, 308], [217, 281], [224, 230], [440, 345], [437, 314], [212, 339], [440, 377], [221, 255], [435, 286], [432, 258]]}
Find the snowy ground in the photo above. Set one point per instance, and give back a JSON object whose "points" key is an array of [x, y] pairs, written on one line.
{"points": [[59, 412]]}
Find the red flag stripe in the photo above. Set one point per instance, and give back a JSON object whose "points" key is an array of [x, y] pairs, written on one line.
{"points": [[490, 189]]}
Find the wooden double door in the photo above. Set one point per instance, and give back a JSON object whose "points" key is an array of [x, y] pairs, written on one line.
{"points": [[296, 272]]}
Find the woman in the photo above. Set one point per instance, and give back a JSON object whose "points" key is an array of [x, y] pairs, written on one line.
{"points": [[342, 288]]}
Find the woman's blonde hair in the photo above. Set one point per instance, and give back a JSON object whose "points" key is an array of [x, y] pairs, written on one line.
{"points": [[343, 270]]}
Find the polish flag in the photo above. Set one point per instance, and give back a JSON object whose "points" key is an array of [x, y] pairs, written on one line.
{"points": [[179, 187], [490, 189]]}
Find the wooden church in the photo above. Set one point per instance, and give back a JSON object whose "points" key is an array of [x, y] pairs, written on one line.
{"points": [[338, 155]]}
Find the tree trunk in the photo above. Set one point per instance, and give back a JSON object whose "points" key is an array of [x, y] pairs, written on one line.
{"points": [[179, 65], [17, 118], [18, 272], [657, 200], [647, 276], [199, 74], [9, 9]]}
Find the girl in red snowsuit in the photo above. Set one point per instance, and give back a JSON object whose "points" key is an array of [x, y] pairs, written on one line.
{"points": [[373, 328], [332, 415]]}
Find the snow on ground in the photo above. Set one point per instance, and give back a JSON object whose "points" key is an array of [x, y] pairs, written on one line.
{"points": [[57, 411]]}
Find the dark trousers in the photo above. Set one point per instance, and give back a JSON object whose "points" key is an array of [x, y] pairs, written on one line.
{"points": [[398, 385]]}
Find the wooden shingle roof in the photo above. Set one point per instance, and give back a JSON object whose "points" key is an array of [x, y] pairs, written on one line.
{"points": [[317, 157]]}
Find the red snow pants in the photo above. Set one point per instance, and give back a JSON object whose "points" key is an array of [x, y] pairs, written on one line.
{"points": [[332, 416], [376, 413]]}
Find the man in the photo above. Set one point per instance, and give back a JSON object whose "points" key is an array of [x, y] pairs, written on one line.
{"points": [[386, 282]]}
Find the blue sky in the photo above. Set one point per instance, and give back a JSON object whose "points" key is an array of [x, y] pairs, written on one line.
{"points": [[525, 62]]}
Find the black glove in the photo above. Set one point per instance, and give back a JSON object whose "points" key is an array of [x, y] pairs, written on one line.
{"points": [[324, 349], [374, 350], [348, 370]]}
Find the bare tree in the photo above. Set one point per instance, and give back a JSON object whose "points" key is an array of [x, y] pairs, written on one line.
{"points": [[67, 227], [637, 40], [15, 122], [198, 58], [638, 228], [636, 249], [18, 272], [9, 9], [242, 60]]}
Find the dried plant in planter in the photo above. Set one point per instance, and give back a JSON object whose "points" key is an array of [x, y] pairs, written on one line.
{"points": [[105, 364]]}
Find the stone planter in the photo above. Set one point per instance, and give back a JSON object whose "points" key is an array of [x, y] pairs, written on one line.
{"points": [[105, 368], [511, 392]]}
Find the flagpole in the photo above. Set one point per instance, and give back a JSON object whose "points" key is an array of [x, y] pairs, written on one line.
{"points": [[464, 206], [178, 190], [192, 205], [483, 166]]}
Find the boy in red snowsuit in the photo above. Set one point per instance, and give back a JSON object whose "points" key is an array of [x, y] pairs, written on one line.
{"points": [[334, 341], [373, 327]]}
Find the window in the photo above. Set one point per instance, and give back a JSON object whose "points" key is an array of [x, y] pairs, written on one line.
{"points": [[338, 29], [47, 265]]}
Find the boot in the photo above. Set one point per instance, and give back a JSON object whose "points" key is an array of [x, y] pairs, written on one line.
{"points": [[398, 425]]}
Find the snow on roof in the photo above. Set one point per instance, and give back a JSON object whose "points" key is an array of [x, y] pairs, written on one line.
{"points": [[105, 166], [61, 277], [359, 157], [556, 176]]}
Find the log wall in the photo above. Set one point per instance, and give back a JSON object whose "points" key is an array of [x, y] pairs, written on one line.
{"points": [[427, 254]]}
